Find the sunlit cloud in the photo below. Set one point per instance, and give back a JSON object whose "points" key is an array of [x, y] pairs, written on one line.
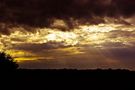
{"points": [[87, 34]]}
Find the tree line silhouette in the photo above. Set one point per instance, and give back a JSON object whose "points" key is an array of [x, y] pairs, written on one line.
{"points": [[7, 62]]}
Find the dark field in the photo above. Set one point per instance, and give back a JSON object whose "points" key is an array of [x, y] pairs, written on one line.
{"points": [[68, 79]]}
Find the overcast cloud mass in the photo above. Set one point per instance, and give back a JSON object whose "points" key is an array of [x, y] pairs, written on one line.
{"points": [[80, 34]]}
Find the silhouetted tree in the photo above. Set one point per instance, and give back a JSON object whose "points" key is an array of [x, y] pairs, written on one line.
{"points": [[7, 62]]}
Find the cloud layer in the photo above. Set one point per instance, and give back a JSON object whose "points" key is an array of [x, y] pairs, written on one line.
{"points": [[41, 12], [87, 46], [69, 33]]}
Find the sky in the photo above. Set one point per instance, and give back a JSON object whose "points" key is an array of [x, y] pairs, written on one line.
{"points": [[72, 34]]}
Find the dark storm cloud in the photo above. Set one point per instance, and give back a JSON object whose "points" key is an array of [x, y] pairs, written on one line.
{"points": [[5, 28], [37, 48], [41, 12], [119, 33], [113, 44]]}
